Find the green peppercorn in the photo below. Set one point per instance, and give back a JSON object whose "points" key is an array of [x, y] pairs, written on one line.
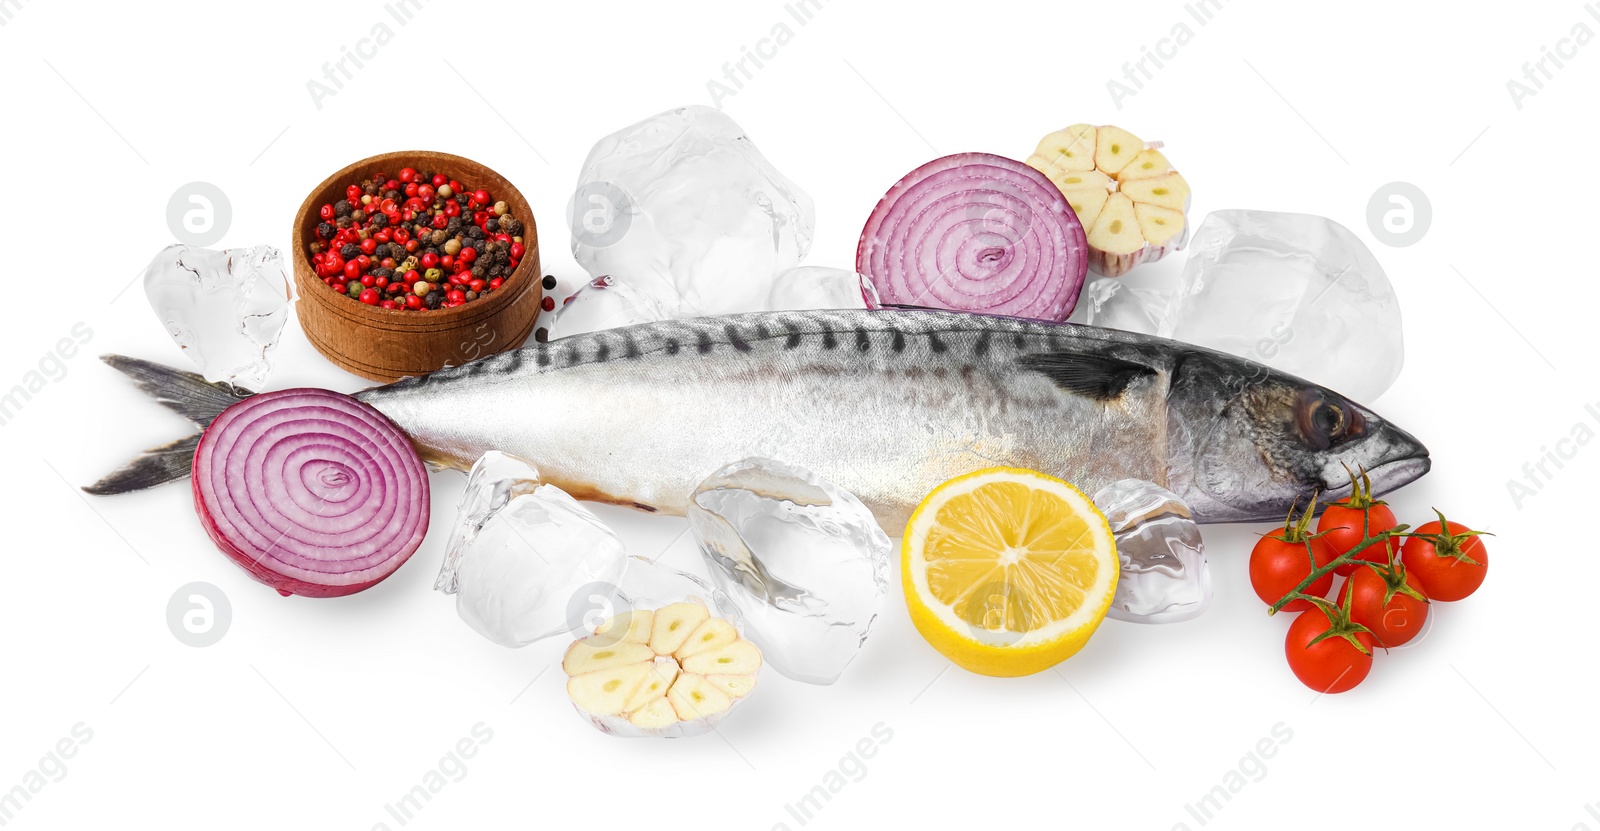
{"points": [[433, 275]]}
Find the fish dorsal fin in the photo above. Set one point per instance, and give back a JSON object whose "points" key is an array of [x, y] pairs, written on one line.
{"points": [[1099, 377]]}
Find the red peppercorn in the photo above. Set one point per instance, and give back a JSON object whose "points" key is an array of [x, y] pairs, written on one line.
{"points": [[447, 261], [352, 270], [516, 250], [401, 235], [413, 301], [368, 280], [455, 186], [408, 174], [458, 279], [369, 297], [440, 221], [353, 193], [513, 263], [548, 303], [467, 255], [440, 179], [369, 246], [383, 236], [340, 288], [481, 197], [392, 184], [496, 282], [326, 212], [412, 276], [334, 262], [480, 218], [411, 246], [366, 262], [388, 206], [476, 285], [430, 259], [387, 262], [456, 296], [381, 282], [388, 304], [425, 192], [411, 189], [451, 209]]}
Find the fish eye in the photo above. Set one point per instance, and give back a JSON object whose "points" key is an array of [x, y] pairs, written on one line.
{"points": [[1325, 420]]}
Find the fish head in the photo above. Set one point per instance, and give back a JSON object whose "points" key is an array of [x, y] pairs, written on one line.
{"points": [[1247, 442]]}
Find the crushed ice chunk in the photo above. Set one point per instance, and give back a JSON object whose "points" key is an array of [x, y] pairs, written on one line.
{"points": [[1297, 292], [495, 480], [684, 208], [1164, 576], [532, 565], [224, 309], [1123, 303], [650, 585], [801, 560], [819, 287], [603, 303]]}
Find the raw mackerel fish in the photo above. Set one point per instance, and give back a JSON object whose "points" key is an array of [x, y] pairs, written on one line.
{"points": [[888, 405]]}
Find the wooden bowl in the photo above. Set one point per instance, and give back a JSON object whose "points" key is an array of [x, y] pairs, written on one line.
{"points": [[387, 344]]}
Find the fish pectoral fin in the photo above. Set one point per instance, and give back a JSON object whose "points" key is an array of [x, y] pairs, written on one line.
{"points": [[1092, 376]]}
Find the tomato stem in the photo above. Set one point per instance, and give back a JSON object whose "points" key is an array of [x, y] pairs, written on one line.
{"points": [[1446, 544], [1298, 592]]}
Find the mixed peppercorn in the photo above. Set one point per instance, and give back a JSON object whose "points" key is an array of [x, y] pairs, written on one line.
{"points": [[418, 241]]}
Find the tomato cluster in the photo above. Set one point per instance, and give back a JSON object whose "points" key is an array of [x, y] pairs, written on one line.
{"points": [[1391, 575]]}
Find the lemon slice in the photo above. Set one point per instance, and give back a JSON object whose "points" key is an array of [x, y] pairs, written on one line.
{"points": [[1007, 571]]}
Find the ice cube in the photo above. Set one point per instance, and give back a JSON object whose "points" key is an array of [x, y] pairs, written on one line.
{"points": [[530, 569], [1296, 292], [684, 208], [495, 480], [801, 560], [820, 287], [224, 309], [651, 585], [1121, 303], [603, 303], [1164, 576]]}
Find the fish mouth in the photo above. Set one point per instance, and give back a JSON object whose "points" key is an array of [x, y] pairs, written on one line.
{"points": [[1400, 472], [1386, 477]]}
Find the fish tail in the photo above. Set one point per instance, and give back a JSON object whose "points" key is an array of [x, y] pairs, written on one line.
{"points": [[186, 394]]}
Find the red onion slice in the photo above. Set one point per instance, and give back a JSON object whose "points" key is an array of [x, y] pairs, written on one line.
{"points": [[976, 232], [312, 492]]}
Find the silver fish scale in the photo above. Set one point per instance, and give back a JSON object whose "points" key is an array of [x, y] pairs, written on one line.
{"points": [[886, 404]]}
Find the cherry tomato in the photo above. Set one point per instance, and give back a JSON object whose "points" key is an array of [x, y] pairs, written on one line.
{"points": [[1448, 558], [1395, 620], [1355, 518], [1282, 559], [1333, 664]]}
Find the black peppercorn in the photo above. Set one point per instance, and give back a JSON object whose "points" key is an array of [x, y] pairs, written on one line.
{"points": [[341, 208], [433, 299], [326, 230]]}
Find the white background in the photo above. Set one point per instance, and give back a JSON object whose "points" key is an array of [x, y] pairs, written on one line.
{"points": [[317, 713]]}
